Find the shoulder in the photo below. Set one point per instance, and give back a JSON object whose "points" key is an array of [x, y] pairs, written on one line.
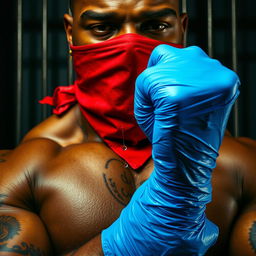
{"points": [[233, 207], [238, 157], [239, 153], [64, 130], [18, 171], [28, 156]]}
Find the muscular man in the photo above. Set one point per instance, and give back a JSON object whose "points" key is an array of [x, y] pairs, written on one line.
{"points": [[64, 183]]}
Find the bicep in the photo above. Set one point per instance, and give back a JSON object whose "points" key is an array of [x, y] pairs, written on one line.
{"points": [[22, 233], [243, 237]]}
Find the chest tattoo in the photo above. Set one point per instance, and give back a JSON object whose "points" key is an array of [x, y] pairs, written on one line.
{"points": [[119, 192]]}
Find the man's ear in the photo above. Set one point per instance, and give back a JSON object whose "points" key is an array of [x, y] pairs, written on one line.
{"points": [[68, 25], [184, 26]]}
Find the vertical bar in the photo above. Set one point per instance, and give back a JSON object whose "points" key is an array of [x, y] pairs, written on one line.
{"points": [[70, 64], [234, 64], [210, 28], [184, 10], [44, 54], [184, 6], [19, 70]]}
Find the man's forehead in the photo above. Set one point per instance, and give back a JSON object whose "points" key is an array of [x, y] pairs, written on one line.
{"points": [[120, 3]]}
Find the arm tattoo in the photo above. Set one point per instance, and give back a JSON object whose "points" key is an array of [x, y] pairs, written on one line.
{"points": [[252, 236], [120, 194], [23, 249], [9, 228]]}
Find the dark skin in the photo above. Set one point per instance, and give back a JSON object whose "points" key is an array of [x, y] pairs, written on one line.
{"points": [[62, 185]]}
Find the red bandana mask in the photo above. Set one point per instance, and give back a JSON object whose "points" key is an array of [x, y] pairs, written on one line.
{"points": [[104, 89]]}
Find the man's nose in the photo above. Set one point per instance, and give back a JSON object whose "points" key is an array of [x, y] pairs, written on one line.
{"points": [[128, 28]]}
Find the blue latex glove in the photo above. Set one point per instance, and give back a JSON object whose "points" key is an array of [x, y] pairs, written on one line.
{"points": [[182, 103]]}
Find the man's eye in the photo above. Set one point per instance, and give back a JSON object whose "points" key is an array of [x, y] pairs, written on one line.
{"points": [[154, 27], [101, 29]]}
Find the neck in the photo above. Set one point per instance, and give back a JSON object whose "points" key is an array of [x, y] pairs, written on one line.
{"points": [[89, 133]]}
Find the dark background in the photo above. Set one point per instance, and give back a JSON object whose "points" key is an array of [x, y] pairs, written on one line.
{"points": [[58, 58]]}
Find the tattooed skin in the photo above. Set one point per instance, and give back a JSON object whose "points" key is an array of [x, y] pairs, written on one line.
{"points": [[23, 249], [120, 194], [252, 236], [9, 228]]}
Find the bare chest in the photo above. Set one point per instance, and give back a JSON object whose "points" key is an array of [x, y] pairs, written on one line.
{"points": [[81, 192]]}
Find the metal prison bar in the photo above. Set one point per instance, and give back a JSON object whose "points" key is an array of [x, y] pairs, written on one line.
{"points": [[44, 50]]}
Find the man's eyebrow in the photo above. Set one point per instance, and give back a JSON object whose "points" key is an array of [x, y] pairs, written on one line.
{"points": [[89, 14], [158, 13]]}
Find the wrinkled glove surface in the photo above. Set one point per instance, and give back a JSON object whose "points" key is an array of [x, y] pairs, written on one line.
{"points": [[182, 103]]}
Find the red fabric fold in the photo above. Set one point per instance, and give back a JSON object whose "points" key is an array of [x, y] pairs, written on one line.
{"points": [[104, 89], [63, 99]]}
